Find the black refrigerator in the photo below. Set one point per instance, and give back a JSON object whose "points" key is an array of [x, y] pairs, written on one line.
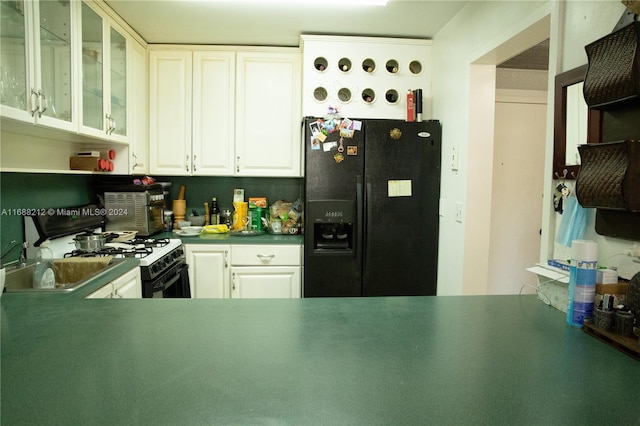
{"points": [[372, 196]]}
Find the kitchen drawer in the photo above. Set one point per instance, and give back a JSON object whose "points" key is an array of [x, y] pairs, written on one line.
{"points": [[261, 255]]}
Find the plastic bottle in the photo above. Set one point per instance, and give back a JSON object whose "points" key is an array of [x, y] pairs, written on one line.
{"points": [[582, 281], [43, 276]]}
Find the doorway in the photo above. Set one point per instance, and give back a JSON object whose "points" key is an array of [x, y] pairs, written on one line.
{"points": [[511, 140]]}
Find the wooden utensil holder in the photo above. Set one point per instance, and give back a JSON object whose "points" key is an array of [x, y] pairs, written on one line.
{"points": [[179, 211]]}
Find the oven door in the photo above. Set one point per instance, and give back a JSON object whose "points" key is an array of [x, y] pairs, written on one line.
{"points": [[154, 219], [172, 284]]}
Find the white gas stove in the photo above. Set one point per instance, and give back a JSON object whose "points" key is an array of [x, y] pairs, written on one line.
{"points": [[161, 259]]}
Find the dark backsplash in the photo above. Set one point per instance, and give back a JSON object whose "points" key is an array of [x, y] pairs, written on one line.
{"points": [[203, 188], [23, 191]]}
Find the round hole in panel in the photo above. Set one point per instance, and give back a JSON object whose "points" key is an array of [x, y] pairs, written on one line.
{"points": [[344, 64], [391, 96], [369, 65], [368, 96], [320, 94], [392, 66], [415, 67], [320, 64], [344, 95]]}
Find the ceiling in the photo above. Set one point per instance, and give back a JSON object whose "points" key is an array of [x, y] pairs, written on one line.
{"points": [[257, 24], [535, 58]]}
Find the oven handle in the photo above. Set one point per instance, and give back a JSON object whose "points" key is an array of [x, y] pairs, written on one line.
{"points": [[173, 280]]}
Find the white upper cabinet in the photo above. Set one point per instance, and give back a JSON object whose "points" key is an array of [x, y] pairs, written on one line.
{"points": [[220, 112], [36, 86], [104, 46], [73, 78], [170, 96], [213, 112], [268, 120], [191, 112], [138, 94]]}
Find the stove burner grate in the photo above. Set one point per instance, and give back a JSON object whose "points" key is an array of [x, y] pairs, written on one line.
{"points": [[148, 242], [83, 253], [134, 252]]}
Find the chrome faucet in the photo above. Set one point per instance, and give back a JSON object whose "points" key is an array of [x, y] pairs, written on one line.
{"points": [[11, 248]]}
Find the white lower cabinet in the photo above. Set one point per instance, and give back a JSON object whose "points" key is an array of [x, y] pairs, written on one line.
{"points": [[127, 286], [265, 271], [244, 271], [208, 270], [268, 282]]}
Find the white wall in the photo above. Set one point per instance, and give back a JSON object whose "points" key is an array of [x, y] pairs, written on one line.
{"points": [[482, 31], [480, 28]]}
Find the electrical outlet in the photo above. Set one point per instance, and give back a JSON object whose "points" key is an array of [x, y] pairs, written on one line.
{"points": [[633, 251], [459, 212]]}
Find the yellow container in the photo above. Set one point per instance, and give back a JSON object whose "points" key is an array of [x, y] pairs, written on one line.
{"points": [[240, 215]]}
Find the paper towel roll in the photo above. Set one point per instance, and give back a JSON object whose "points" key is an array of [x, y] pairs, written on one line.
{"points": [[584, 250]]}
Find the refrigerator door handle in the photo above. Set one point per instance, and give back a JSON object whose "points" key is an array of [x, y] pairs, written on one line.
{"points": [[368, 217], [360, 219]]}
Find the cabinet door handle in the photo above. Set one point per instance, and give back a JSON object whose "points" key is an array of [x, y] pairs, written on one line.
{"points": [[117, 295], [108, 124], [233, 281], [42, 103], [113, 125], [186, 164], [194, 163], [135, 160], [226, 264], [238, 164], [34, 102]]}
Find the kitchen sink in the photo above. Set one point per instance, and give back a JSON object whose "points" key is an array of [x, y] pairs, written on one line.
{"points": [[20, 279]]}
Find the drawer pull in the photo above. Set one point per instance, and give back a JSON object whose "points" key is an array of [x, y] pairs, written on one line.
{"points": [[266, 257]]}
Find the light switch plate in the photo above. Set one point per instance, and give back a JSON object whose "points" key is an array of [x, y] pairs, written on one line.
{"points": [[459, 212], [454, 157]]}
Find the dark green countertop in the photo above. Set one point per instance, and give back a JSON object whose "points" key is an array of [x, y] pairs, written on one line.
{"points": [[234, 239], [360, 361]]}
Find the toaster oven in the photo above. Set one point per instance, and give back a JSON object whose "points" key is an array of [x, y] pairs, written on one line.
{"points": [[141, 211]]}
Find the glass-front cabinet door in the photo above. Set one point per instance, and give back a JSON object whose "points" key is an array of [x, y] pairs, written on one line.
{"points": [[36, 62], [93, 115], [55, 73], [118, 74], [14, 74], [104, 77]]}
